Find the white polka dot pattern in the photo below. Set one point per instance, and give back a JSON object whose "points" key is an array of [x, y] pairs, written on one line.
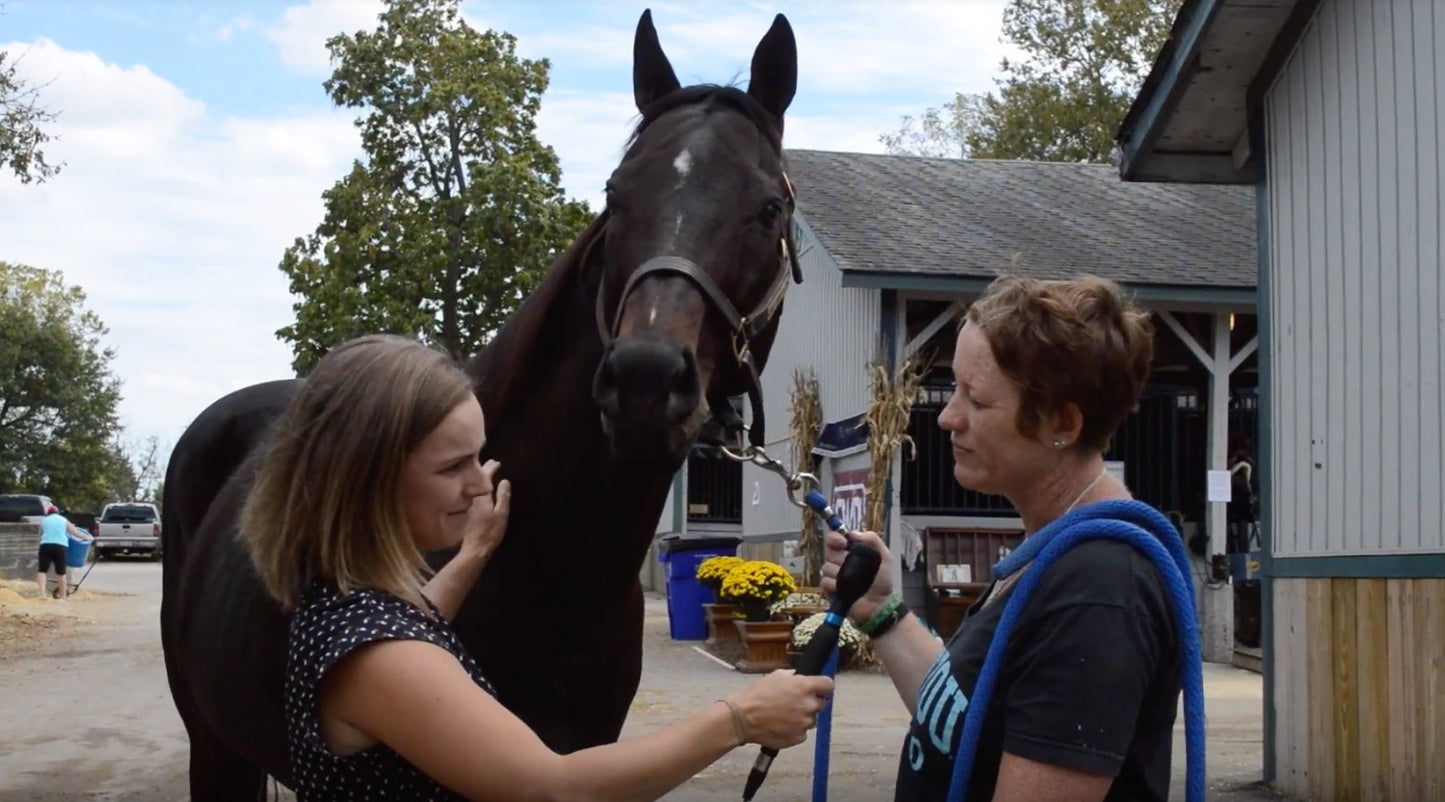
{"points": [[327, 627]]}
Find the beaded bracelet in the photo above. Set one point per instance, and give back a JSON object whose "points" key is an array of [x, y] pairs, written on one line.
{"points": [[889, 614]]}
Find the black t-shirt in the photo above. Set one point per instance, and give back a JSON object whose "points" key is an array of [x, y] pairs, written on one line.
{"points": [[1090, 680]]}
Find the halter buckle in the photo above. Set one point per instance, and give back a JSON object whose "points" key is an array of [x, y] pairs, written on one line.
{"points": [[742, 343]]}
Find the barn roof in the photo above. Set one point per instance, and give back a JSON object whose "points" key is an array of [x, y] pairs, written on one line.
{"points": [[907, 222], [1190, 120]]}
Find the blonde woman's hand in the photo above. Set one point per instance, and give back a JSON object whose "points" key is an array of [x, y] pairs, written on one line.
{"points": [[781, 707], [487, 524]]}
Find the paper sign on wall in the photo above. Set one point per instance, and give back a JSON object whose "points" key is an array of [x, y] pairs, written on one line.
{"points": [[1219, 486]]}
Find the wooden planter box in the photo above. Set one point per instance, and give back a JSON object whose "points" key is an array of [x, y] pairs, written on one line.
{"points": [[765, 645], [720, 619]]}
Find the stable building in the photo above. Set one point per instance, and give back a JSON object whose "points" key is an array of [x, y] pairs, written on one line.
{"points": [[892, 249], [1330, 112]]}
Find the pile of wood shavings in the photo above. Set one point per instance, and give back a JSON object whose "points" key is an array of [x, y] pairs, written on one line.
{"points": [[28, 622]]}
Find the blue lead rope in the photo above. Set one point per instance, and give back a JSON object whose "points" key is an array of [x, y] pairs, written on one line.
{"points": [[1131, 522], [822, 743]]}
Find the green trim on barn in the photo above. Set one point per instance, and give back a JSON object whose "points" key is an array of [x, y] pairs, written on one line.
{"points": [[1265, 440], [1359, 566], [1242, 298]]}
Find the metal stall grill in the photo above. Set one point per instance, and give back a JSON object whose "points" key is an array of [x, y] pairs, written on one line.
{"points": [[1162, 445], [714, 489]]}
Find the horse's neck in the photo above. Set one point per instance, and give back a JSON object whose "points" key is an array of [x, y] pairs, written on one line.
{"points": [[579, 497]]}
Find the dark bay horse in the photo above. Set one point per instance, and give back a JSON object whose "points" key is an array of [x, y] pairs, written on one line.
{"points": [[594, 391]]}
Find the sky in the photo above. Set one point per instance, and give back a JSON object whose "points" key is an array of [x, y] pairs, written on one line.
{"points": [[197, 140]]}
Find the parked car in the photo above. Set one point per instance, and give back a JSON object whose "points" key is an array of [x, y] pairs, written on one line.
{"points": [[23, 507], [130, 527]]}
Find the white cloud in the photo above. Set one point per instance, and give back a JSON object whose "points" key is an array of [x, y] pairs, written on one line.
{"points": [[244, 23], [933, 47], [588, 130], [173, 221], [930, 47], [301, 37]]}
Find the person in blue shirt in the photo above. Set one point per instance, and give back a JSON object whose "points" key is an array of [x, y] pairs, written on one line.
{"points": [[55, 534]]}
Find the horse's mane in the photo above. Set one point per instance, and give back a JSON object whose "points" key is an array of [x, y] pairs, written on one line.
{"points": [[509, 365]]}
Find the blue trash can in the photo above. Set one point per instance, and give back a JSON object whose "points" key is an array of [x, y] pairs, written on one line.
{"points": [[75, 555], [680, 557]]}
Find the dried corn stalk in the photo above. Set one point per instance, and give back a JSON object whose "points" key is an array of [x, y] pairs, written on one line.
{"points": [[805, 427], [889, 408]]}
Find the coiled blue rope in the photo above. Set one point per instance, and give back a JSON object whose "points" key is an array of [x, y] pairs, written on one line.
{"points": [[1131, 522]]}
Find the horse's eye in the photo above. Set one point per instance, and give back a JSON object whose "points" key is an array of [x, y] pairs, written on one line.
{"points": [[771, 212]]}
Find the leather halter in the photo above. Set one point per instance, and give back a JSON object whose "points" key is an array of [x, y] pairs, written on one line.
{"points": [[742, 328]]}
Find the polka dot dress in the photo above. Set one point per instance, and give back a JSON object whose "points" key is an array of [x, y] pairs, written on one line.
{"points": [[325, 628]]}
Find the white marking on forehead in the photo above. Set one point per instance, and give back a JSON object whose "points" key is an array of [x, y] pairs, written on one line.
{"points": [[652, 315], [683, 165]]}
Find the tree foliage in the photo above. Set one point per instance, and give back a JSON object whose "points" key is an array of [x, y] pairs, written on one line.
{"points": [[1086, 61], [147, 462], [456, 211], [22, 121], [58, 398]]}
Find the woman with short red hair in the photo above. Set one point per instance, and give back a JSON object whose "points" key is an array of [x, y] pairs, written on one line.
{"points": [[1086, 694]]}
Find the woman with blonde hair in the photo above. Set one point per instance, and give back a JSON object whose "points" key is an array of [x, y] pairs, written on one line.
{"points": [[1083, 701], [374, 463]]}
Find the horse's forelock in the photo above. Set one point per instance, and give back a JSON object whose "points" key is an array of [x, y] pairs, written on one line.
{"points": [[713, 95]]}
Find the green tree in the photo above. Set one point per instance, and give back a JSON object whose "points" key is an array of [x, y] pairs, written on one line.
{"points": [[145, 470], [1085, 62], [58, 397], [21, 126], [456, 211]]}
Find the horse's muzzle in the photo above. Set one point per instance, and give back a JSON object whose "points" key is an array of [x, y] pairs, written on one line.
{"points": [[650, 397]]}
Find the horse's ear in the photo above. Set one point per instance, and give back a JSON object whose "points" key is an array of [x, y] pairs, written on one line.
{"points": [[774, 77], [652, 75]]}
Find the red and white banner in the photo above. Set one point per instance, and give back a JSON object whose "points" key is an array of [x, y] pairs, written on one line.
{"points": [[850, 497]]}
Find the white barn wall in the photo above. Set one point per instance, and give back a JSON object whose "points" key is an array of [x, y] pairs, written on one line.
{"points": [[1353, 126], [832, 330]]}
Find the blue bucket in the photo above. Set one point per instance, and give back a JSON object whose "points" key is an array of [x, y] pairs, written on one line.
{"points": [[76, 554]]}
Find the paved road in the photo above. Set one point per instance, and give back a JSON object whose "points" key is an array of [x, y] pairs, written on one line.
{"points": [[94, 719], [91, 717]]}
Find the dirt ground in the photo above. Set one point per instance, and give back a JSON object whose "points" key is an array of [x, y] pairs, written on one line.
{"points": [[90, 717]]}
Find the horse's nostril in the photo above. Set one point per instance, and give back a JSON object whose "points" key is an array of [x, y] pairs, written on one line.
{"points": [[648, 382], [684, 381]]}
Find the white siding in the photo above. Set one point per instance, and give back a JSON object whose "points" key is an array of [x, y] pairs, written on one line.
{"points": [[832, 330], [1354, 132]]}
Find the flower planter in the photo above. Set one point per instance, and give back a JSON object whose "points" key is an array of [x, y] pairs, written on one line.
{"points": [[795, 654], [765, 645], [720, 619]]}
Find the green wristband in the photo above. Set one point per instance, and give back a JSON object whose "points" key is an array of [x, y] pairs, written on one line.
{"points": [[884, 613]]}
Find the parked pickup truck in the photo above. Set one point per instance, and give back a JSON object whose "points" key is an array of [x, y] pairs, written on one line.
{"points": [[23, 507], [130, 527]]}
